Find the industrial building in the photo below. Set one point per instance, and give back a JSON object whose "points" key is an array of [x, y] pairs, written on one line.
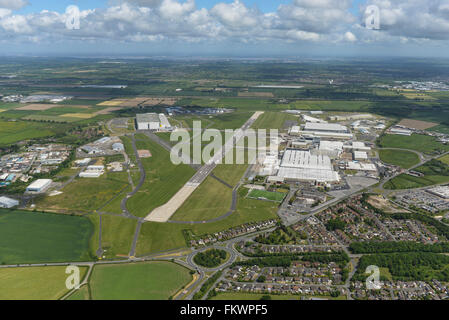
{"points": [[8, 203], [360, 155], [39, 185], [152, 121], [441, 191], [119, 147], [299, 165], [92, 172], [325, 127], [327, 131], [332, 149]]}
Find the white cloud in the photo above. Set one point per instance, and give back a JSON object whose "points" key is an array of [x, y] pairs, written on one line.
{"points": [[349, 36], [13, 4]]}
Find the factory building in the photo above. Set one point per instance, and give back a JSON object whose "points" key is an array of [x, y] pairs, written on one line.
{"points": [[325, 127], [8, 203], [152, 121], [92, 172], [360, 155], [118, 147], [39, 185], [332, 149], [299, 165]]}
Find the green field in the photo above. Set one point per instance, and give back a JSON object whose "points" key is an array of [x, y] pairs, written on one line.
{"points": [[34, 283], [117, 235], [210, 200], [273, 120], [85, 195], [32, 237], [272, 196], [11, 132], [421, 143], [163, 179], [81, 294], [401, 158], [157, 237], [138, 281], [435, 172]]}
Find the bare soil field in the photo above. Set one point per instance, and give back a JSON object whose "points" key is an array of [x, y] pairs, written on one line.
{"points": [[417, 124], [43, 107]]}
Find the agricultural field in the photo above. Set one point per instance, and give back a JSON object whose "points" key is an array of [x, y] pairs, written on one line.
{"points": [[116, 235], [417, 142], [435, 172], [401, 158], [138, 281], [163, 179], [11, 132], [33, 237], [34, 283], [262, 194], [85, 195]]}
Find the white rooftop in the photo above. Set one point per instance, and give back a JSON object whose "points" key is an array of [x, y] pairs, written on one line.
{"points": [[311, 126], [304, 159]]}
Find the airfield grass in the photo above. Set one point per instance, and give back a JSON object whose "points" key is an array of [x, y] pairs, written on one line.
{"points": [[11, 132], [163, 178], [231, 174], [114, 205], [210, 200], [273, 196], [117, 235], [85, 195], [138, 281], [273, 120], [34, 283], [158, 237], [401, 158], [33, 237], [418, 142]]}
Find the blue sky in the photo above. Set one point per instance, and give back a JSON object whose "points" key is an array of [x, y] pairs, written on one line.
{"points": [[225, 27]]}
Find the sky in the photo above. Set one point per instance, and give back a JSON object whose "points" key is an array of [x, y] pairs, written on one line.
{"points": [[234, 28]]}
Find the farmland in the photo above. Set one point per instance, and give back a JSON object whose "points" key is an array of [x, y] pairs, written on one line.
{"points": [[401, 158], [434, 171], [138, 281], [34, 283], [417, 142], [32, 237]]}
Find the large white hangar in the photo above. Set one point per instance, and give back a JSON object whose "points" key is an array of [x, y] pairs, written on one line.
{"points": [[152, 121], [300, 165]]}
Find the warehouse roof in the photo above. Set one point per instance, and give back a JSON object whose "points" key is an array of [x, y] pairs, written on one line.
{"points": [[38, 184], [147, 117], [311, 126], [304, 159], [9, 202]]}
